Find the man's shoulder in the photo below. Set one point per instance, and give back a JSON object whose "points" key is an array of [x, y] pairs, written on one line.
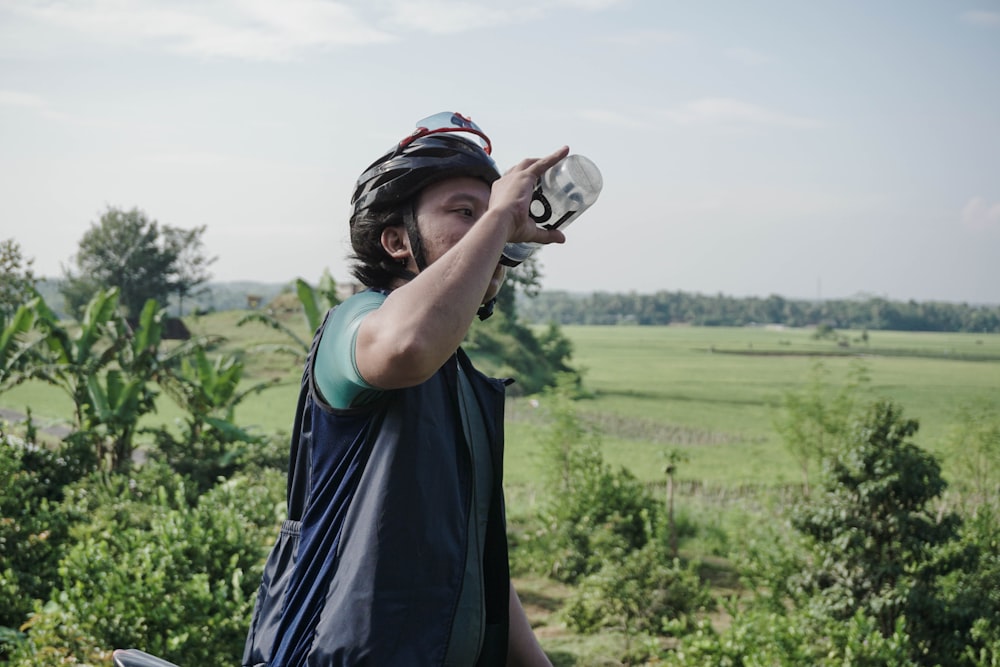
{"points": [[356, 305], [364, 298]]}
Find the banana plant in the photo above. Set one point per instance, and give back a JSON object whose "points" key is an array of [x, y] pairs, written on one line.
{"points": [[209, 392], [16, 350], [315, 302], [106, 368]]}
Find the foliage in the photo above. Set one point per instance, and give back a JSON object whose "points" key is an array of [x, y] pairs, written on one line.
{"points": [[34, 526], [17, 352], [975, 442], [881, 577], [179, 581], [873, 530], [505, 347], [315, 301], [643, 593], [190, 270], [973, 592], [105, 368], [523, 280], [131, 252], [594, 513], [814, 422], [760, 637], [210, 445], [880, 553], [17, 280]]}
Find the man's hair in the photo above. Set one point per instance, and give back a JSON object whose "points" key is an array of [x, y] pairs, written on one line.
{"points": [[372, 264]]}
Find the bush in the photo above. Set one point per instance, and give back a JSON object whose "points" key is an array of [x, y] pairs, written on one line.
{"points": [[153, 571], [594, 514], [34, 527], [643, 594]]}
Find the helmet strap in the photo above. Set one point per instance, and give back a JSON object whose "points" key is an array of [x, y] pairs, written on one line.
{"points": [[413, 234], [486, 310]]}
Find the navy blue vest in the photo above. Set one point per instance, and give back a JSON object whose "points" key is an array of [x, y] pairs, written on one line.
{"points": [[368, 567]]}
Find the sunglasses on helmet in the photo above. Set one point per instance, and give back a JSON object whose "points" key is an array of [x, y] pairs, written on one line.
{"points": [[448, 121]]}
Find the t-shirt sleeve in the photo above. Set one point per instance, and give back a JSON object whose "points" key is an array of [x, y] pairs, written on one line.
{"points": [[335, 369]]}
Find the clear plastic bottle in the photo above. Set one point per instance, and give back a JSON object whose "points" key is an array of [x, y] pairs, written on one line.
{"points": [[566, 190]]}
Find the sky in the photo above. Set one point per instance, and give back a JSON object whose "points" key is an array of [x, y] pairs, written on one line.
{"points": [[824, 149]]}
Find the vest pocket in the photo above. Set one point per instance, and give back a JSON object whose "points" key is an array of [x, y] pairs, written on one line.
{"points": [[271, 595]]}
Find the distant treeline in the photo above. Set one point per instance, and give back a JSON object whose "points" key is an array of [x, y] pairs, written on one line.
{"points": [[209, 298], [662, 308]]}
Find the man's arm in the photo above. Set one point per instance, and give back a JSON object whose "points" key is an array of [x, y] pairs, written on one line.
{"points": [[523, 649], [423, 322]]}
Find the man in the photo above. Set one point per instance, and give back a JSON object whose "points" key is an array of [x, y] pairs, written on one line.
{"points": [[394, 551]]}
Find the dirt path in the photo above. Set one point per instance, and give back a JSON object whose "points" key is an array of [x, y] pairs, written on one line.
{"points": [[58, 431]]}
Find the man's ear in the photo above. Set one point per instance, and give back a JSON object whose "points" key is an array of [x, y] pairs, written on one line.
{"points": [[396, 243]]}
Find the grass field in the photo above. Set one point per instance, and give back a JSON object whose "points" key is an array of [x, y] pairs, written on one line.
{"points": [[715, 392], [711, 392]]}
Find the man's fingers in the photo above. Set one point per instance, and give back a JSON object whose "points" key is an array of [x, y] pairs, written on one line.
{"points": [[538, 166], [541, 165]]}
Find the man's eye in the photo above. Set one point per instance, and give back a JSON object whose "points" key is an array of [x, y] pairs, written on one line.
{"points": [[465, 211]]}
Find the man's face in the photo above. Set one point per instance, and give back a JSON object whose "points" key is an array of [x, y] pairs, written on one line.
{"points": [[446, 211]]}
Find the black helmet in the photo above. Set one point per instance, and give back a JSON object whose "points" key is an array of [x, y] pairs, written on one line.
{"points": [[445, 145], [416, 163]]}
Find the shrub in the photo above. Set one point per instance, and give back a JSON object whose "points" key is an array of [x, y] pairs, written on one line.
{"points": [[595, 513], [155, 572], [34, 527], [642, 594]]}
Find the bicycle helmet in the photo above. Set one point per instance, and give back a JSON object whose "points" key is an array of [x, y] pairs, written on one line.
{"points": [[386, 191], [407, 169]]}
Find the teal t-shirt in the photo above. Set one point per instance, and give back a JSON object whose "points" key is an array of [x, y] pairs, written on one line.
{"points": [[335, 368]]}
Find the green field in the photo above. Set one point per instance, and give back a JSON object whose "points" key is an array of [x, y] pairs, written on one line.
{"points": [[711, 392], [715, 392]]}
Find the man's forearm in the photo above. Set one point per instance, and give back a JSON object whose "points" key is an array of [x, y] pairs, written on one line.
{"points": [[523, 649]]}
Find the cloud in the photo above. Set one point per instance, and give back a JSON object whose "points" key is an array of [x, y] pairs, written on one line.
{"points": [[249, 29], [649, 37], [979, 214], [727, 111], [447, 16], [613, 118], [454, 16], [747, 56], [32, 102], [13, 98], [708, 112], [981, 18], [588, 5], [264, 30]]}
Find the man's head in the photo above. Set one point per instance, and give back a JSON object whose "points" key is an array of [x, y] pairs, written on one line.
{"points": [[445, 146]]}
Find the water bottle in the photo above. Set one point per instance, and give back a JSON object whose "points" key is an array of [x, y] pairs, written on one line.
{"points": [[565, 191]]}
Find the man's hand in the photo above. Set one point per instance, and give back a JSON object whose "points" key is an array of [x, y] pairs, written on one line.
{"points": [[510, 198]]}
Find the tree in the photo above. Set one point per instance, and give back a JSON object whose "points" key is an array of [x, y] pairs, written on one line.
{"points": [[880, 546], [191, 267], [815, 421], [107, 369], [507, 346], [525, 279], [17, 281], [144, 260]]}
